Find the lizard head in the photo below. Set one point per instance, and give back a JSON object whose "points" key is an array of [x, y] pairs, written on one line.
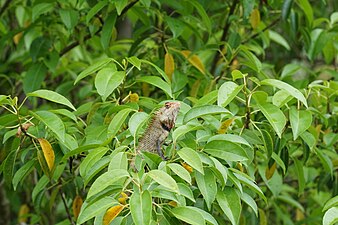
{"points": [[168, 113]]}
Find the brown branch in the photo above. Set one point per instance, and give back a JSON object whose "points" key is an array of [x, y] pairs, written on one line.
{"points": [[66, 207], [89, 36], [224, 35], [4, 7]]}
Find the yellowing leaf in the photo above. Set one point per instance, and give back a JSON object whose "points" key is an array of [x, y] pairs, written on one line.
{"points": [[169, 64], [17, 38], [145, 89], [112, 213], [133, 97], [270, 171], [194, 60], [48, 152], [76, 206], [255, 18], [225, 125], [123, 198], [172, 203], [24, 210], [187, 167]]}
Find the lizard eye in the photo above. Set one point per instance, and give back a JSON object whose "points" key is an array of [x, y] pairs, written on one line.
{"points": [[167, 105]]}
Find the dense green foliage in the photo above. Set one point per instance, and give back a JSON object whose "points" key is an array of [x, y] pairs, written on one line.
{"points": [[255, 141]]}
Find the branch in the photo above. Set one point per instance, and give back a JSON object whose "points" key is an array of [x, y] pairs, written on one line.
{"points": [[224, 35], [66, 207], [4, 7], [89, 36]]}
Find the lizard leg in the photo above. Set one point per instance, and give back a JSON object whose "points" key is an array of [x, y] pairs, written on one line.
{"points": [[159, 150]]}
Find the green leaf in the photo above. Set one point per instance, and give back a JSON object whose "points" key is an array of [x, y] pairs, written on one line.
{"points": [[287, 5], [176, 26], [268, 143], [93, 68], [52, 96], [207, 216], [34, 77], [136, 121], [276, 37], [64, 112], [95, 169], [39, 47], [287, 87], [182, 130], [141, 207], [188, 215], [40, 9], [249, 182], [94, 10], [24, 170], [117, 121], [88, 211], [290, 70], [236, 74], [222, 169], [39, 187], [180, 171], [69, 17], [53, 122], [203, 110], [325, 160], [275, 117], [9, 164], [186, 191], [250, 202], [158, 82], [105, 180], [158, 69], [118, 161], [230, 137], [227, 92], [230, 203], [192, 158], [331, 203], [163, 179], [309, 139], [205, 18], [120, 5], [226, 150], [107, 30], [300, 174], [300, 121], [207, 185], [280, 98], [306, 7], [331, 216], [92, 158], [107, 80], [135, 62], [209, 98]]}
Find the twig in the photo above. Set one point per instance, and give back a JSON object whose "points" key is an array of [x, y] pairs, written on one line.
{"points": [[88, 36], [66, 207], [4, 7], [224, 35]]}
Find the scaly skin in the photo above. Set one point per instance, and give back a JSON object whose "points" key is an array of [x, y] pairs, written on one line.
{"points": [[158, 130]]}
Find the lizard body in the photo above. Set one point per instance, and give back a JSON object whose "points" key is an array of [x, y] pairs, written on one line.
{"points": [[158, 129]]}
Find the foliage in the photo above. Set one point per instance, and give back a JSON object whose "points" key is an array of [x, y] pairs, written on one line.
{"points": [[255, 141]]}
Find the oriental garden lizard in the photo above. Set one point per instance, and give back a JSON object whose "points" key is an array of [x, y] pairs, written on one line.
{"points": [[158, 129]]}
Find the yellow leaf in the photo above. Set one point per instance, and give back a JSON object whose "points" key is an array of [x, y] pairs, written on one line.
{"points": [[270, 171], [48, 152], [194, 60], [17, 38], [169, 65], [187, 167], [133, 97], [172, 203], [255, 18], [225, 125], [299, 215], [24, 210], [123, 198], [234, 65], [76, 206], [195, 87], [112, 213]]}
